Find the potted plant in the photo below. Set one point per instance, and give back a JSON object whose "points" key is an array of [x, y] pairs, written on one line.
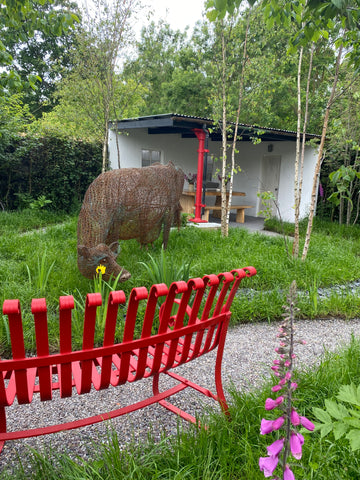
{"points": [[191, 179]]}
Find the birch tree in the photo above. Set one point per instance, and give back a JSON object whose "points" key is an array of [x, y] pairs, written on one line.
{"points": [[226, 73], [101, 44], [316, 20]]}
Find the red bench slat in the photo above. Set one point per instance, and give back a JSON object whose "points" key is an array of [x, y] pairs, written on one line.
{"points": [[66, 304]]}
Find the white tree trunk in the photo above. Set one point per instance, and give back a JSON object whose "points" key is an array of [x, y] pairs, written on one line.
{"points": [[297, 159], [320, 157]]}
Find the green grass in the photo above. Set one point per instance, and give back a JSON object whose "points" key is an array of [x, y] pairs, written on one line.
{"points": [[228, 450], [26, 273]]}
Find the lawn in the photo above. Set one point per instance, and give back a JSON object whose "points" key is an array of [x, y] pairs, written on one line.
{"points": [[38, 258]]}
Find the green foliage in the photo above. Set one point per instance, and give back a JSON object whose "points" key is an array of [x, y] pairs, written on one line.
{"points": [[21, 20], [163, 270], [48, 170], [39, 279], [172, 71], [44, 53], [267, 199], [40, 203], [342, 179], [341, 420]]}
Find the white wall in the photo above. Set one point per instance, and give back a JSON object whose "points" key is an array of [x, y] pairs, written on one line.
{"points": [[183, 153]]}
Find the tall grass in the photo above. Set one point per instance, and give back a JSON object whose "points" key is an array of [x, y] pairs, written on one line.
{"points": [[163, 269], [39, 279]]}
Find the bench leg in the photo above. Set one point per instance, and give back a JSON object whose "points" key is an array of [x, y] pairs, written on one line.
{"points": [[240, 216], [206, 215]]}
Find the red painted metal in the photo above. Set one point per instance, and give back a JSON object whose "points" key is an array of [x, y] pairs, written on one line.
{"points": [[201, 136], [193, 320]]}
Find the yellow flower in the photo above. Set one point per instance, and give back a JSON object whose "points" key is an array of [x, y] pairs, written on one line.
{"points": [[101, 269]]}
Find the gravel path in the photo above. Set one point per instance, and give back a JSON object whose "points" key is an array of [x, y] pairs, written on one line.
{"points": [[247, 358]]}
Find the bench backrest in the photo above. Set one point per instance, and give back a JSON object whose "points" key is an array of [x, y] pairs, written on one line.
{"points": [[200, 323]]}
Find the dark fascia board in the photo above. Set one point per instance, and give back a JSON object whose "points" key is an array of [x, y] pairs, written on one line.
{"points": [[168, 121], [172, 123]]}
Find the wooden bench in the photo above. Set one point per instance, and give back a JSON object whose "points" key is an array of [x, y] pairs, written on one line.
{"points": [[199, 326], [240, 211]]}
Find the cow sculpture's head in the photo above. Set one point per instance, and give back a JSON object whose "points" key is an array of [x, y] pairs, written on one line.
{"points": [[89, 258]]}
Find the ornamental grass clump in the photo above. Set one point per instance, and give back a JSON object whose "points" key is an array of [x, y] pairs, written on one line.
{"points": [[289, 440]]}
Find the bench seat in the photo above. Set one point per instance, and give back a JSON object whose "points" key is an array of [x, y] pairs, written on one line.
{"points": [[240, 211]]}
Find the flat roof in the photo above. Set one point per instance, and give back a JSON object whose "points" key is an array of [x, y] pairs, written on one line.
{"points": [[174, 123]]}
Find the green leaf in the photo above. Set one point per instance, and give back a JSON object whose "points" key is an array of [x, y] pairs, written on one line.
{"points": [[354, 438], [353, 422], [212, 15], [350, 394], [326, 429], [336, 410], [340, 429], [220, 4], [334, 198], [338, 3], [322, 415]]}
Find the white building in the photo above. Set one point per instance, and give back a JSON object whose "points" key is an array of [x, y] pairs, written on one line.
{"points": [[265, 166]]}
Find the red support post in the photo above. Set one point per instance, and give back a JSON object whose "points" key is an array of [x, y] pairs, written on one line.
{"points": [[201, 135]]}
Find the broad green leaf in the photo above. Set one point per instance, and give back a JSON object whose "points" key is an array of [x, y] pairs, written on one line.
{"points": [[322, 415], [336, 410], [220, 4], [334, 198], [212, 15], [340, 429], [326, 429], [338, 3], [353, 422], [354, 438], [350, 394]]}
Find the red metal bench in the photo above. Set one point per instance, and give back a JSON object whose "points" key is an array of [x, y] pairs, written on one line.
{"points": [[199, 326]]}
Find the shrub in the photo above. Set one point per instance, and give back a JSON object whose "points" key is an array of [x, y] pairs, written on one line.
{"points": [[58, 169]]}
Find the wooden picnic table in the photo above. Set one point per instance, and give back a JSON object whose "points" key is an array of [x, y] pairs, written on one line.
{"points": [[187, 201]]}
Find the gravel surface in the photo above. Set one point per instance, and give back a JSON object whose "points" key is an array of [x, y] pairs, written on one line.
{"points": [[247, 360]]}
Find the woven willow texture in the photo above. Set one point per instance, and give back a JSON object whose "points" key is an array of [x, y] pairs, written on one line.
{"points": [[125, 204]]}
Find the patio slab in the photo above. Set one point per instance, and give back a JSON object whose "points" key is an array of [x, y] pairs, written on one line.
{"points": [[252, 224]]}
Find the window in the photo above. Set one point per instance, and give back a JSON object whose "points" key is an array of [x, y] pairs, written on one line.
{"points": [[148, 157]]}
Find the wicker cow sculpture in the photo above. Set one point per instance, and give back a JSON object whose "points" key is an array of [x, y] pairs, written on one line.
{"points": [[124, 204]]}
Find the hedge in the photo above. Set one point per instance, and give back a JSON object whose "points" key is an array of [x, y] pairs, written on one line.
{"points": [[59, 169]]}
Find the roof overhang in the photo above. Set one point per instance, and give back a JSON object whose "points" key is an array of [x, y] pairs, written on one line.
{"points": [[173, 123]]}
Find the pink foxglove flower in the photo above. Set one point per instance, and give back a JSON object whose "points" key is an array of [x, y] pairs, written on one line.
{"points": [[290, 441], [268, 465], [288, 474], [268, 426], [296, 442], [270, 404], [307, 424], [294, 417], [275, 448]]}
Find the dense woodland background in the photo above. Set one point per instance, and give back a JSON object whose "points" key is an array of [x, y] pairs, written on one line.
{"points": [[66, 72]]}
